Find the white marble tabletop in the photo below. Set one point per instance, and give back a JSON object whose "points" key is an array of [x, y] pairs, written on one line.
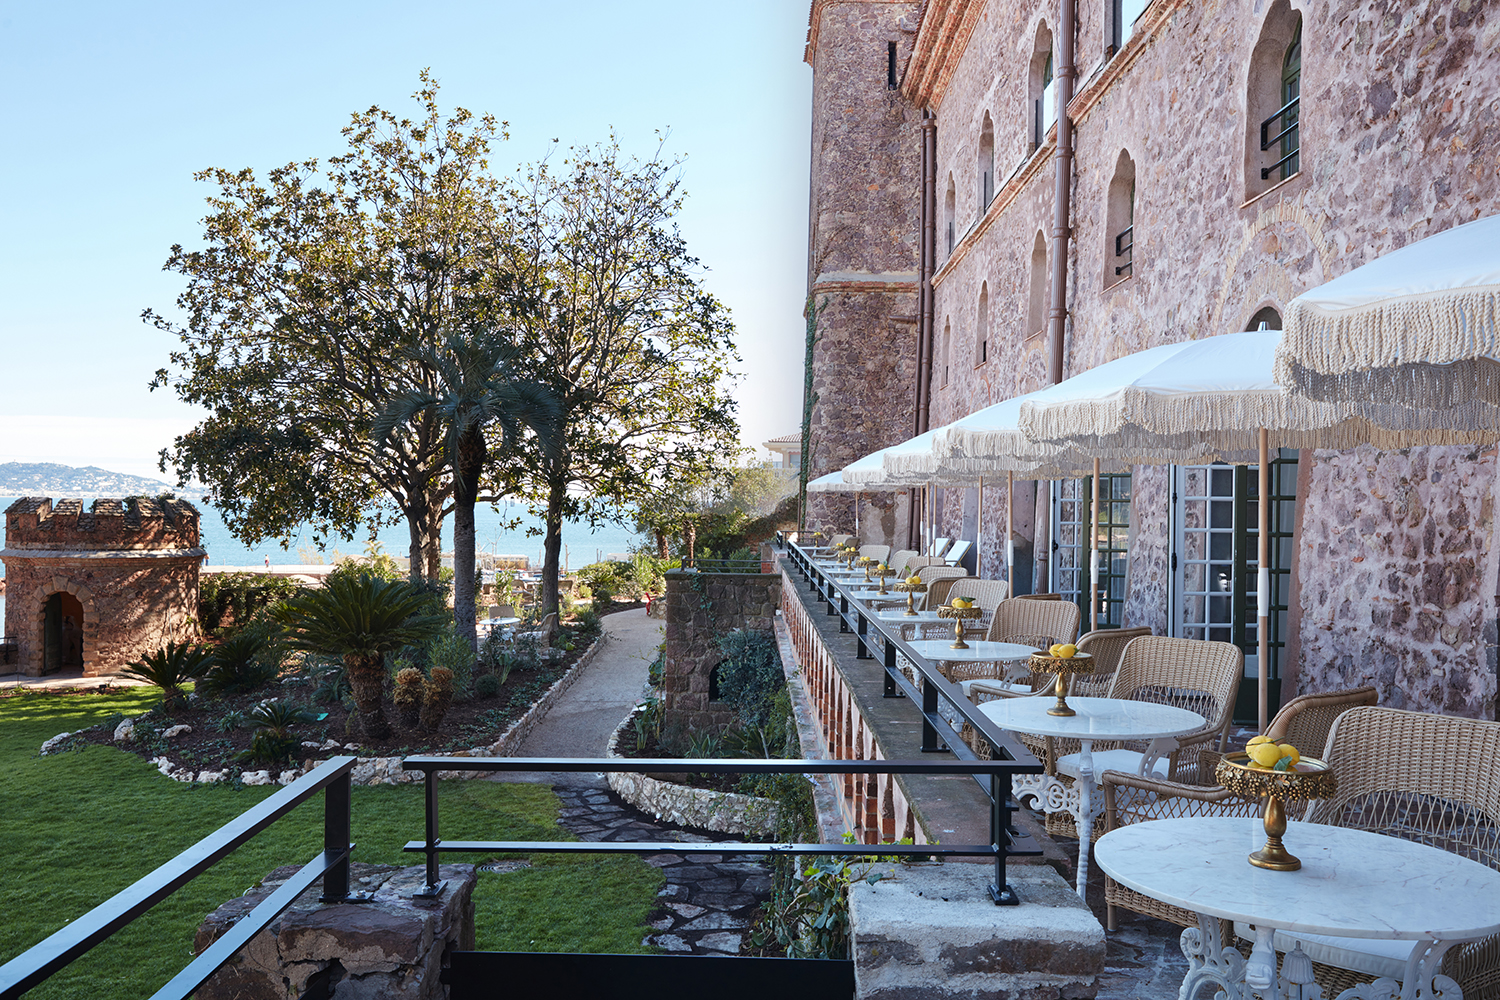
{"points": [[1351, 884], [1097, 718], [980, 651], [900, 615]]}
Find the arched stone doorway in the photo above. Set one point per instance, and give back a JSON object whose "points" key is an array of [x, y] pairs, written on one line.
{"points": [[62, 633]]}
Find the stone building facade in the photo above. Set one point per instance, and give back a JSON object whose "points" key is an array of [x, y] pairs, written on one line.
{"points": [[1181, 226], [125, 572]]}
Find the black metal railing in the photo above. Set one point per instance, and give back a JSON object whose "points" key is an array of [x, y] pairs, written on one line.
{"points": [[1125, 244], [41, 961], [996, 773], [1290, 121]]}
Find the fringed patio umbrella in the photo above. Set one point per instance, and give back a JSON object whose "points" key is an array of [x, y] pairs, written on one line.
{"points": [[1409, 341], [1218, 394]]}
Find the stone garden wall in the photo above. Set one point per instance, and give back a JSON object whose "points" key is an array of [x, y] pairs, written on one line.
{"points": [[700, 607]]}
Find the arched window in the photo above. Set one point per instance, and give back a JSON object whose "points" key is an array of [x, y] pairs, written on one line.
{"points": [[1036, 316], [1273, 140], [949, 211], [986, 164], [1042, 103], [982, 326], [1119, 229], [1270, 316], [947, 349], [1123, 18]]}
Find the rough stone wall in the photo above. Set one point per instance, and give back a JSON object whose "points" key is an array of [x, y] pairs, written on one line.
{"points": [[700, 607], [1398, 577], [1400, 139], [133, 565], [862, 257], [1150, 571]]}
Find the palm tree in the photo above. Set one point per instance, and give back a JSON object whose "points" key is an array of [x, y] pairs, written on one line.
{"points": [[476, 384], [360, 617]]}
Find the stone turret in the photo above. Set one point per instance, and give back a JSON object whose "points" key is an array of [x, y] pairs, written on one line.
{"points": [[96, 589], [863, 249]]}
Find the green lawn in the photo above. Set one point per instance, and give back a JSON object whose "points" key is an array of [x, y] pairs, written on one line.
{"points": [[82, 825]]}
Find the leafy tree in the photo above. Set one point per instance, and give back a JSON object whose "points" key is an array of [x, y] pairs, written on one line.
{"points": [[476, 387], [616, 323], [300, 308], [360, 617]]}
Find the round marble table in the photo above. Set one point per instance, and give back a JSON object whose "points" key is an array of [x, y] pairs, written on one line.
{"points": [[1352, 884], [1096, 719], [899, 615], [979, 651]]}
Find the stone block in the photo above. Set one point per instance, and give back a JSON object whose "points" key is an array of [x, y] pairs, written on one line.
{"points": [[390, 947], [927, 932]]}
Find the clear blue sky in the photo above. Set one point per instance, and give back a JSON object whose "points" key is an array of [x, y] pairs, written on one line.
{"points": [[109, 108]]}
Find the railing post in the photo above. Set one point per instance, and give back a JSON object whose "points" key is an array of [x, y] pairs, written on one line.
{"points": [[1000, 890], [336, 832], [890, 690], [862, 629], [434, 886], [930, 742]]}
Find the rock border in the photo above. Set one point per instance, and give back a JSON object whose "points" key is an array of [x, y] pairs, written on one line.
{"points": [[388, 770], [699, 808]]}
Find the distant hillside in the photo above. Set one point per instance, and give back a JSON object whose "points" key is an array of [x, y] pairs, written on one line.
{"points": [[46, 479]]}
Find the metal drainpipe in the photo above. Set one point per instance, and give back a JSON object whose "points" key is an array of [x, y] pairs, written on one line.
{"points": [[1058, 315], [927, 258]]}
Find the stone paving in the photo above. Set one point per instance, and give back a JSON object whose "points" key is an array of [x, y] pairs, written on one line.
{"points": [[708, 901]]}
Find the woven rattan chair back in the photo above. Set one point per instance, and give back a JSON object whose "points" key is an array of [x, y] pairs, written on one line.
{"points": [[938, 579], [1306, 721], [986, 594], [881, 552], [1418, 776], [897, 561], [1038, 597], [1107, 647], [1034, 623], [1194, 674], [838, 539]]}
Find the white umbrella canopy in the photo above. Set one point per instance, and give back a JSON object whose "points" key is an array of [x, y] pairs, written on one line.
{"points": [[1410, 340]]}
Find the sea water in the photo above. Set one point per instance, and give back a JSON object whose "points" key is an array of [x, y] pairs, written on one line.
{"points": [[582, 544]]}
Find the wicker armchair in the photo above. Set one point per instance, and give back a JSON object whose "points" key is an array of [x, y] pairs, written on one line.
{"points": [[986, 594], [1130, 798], [1442, 789], [897, 561], [838, 539], [880, 552], [938, 578]]}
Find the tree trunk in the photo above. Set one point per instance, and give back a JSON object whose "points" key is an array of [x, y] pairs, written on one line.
{"points": [[471, 456], [690, 536], [366, 683], [416, 518], [432, 543], [552, 549], [661, 545]]}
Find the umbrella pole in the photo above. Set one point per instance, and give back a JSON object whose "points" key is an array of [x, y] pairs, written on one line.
{"points": [[931, 518], [1263, 581], [1010, 529], [1094, 552], [979, 532], [857, 495]]}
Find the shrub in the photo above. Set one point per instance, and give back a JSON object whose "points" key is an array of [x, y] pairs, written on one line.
{"points": [[454, 654], [235, 598], [487, 686], [408, 695], [496, 657], [750, 674], [169, 668], [241, 663], [437, 695], [274, 742]]}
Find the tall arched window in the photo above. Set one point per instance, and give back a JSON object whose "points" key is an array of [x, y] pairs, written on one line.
{"points": [[949, 213], [1273, 101], [986, 164], [1036, 316], [947, 349], [1119, 228], [982, 326], [1042, 100]]}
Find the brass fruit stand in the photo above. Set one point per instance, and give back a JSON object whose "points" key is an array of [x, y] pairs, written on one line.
{"points": [[1062, 666], [1309, 778], [959, 616]]}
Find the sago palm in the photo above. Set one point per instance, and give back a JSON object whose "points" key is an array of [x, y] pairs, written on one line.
{"points": [[171, 667], [360, 617], [473, 383]]}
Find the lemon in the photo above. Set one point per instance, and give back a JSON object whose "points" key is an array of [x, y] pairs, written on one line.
{"points": [[1053, 649], [1256, 740], [1066, 651], [1289, 752], [1265, 754]]}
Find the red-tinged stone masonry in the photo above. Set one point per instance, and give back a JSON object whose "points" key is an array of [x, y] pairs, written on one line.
{"points": [[701, 607], [101, 587]]}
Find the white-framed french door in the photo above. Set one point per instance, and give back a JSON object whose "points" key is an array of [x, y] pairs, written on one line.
{"points": [[1072, 501]]}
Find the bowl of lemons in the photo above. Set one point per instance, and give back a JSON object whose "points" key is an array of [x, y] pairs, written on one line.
{"points": [[960, 609], [1275, 772]]}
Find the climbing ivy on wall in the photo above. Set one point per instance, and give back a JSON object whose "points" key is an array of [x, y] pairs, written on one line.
{"points": [[809, 399]]}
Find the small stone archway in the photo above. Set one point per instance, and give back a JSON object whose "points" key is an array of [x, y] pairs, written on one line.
{"points": [[52, 639]]}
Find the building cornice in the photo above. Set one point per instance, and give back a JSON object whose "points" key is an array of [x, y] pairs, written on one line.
{"points": [[1147, 28], [1004, 198], [942, 38]]}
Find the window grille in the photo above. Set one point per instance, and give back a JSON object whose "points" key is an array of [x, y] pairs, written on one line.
{"points": [[1072, 500], [1288, 140]]}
